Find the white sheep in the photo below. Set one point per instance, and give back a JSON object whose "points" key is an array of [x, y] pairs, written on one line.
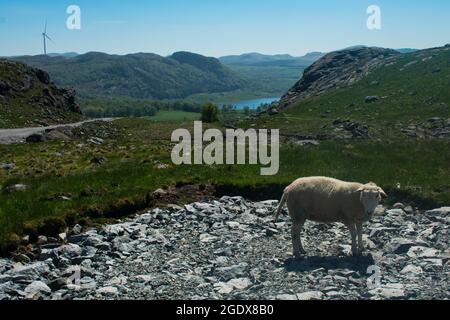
{"points": [[328, 200]]}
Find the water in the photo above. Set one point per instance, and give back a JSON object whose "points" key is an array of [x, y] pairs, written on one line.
{"points": [[253, 104]]}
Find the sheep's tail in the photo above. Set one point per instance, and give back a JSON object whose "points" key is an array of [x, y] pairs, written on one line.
{"points": [[280, 206]]}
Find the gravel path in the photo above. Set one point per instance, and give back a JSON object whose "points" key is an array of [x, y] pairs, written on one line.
{"points": [[10, 136], [229, 249]]}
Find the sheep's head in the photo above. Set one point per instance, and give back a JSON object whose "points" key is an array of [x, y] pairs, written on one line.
{"points": [[370, 196]]}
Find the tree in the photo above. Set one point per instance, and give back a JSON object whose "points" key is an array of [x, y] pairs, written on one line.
{"points": [[210, 113]]}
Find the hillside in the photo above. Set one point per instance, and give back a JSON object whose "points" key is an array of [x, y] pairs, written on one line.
{"points": [[140, 75], [369, 93], [29, 98], [337, 69]]}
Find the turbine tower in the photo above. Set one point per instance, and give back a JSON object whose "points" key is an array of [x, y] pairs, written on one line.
{"points": [[45, 37]]}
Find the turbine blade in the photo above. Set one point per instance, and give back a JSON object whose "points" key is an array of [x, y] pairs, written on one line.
{"points": [[49, 38], [45, 28]]}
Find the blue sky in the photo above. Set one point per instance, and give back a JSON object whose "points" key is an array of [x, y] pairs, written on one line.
{"points": [[217, 28]]}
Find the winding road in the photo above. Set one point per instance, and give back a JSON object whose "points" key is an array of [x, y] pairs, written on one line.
{"points": [[10, 136]]}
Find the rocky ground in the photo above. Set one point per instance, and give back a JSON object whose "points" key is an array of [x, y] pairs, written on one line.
{"points": [[29, 98], [230, 249]]}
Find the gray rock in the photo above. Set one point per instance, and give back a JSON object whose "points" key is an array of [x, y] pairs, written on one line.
{"points": [[37, 287], [303, 143], [7, 166], [422, 252], [96, 140], [409, 210], [233, 284], [15, 188], [389, 291], [206, 237], [272, 111], [235, 271], [395, 212], [440, 211], [33, 271], [35, 138], [370, 99], [411, 270], [68, 251], [42, 240], [286, 297], [221, 249], [77, 229], [310, 295], [399, 246], [99, 160], [109, 290], [398, 205]]}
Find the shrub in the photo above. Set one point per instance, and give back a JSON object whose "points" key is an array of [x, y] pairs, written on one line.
{"points": [[210, 113]]}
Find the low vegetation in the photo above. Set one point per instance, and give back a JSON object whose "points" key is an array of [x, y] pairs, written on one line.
{"points": [[67, 181], [64, 184]]}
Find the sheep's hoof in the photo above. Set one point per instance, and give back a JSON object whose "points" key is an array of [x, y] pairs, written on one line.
{"points": [[299, 255], [356, 253]]}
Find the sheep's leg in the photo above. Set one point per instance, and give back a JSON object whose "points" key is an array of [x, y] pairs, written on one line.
{"points": [[296, 240], [353, 233], [359, 228]]}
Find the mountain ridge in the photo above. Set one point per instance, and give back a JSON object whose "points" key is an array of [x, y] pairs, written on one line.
{"points": [[139, 75], [259, 59]]}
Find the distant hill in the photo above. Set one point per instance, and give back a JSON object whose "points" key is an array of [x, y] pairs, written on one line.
{"points": [[140, 75], [274, 73], [257, 59], [406, 50], [65, 54], [29, 98]]}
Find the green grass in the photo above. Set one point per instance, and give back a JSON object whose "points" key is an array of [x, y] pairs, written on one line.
{"points": [[409, 169], [175, 116], [130, 174]]}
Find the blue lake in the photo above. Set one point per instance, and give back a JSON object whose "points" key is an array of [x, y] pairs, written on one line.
{"points": [[253, 104]]}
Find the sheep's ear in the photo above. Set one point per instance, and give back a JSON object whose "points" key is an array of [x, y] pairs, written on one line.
{"points": [[360, 190], [382, 192]]}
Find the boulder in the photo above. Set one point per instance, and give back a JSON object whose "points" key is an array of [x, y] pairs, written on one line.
{"points": [[35, 138], [439, 211], [370, 99], [310, 295], [15, 188], [399, 246]]}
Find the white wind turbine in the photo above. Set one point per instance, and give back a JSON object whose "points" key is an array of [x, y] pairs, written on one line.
{"points": [[45, 37]]}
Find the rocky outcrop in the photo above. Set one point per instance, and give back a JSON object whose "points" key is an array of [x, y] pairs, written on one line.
{"points": [[29, 92], [432, 128], [229, 248], [336, 70]]}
